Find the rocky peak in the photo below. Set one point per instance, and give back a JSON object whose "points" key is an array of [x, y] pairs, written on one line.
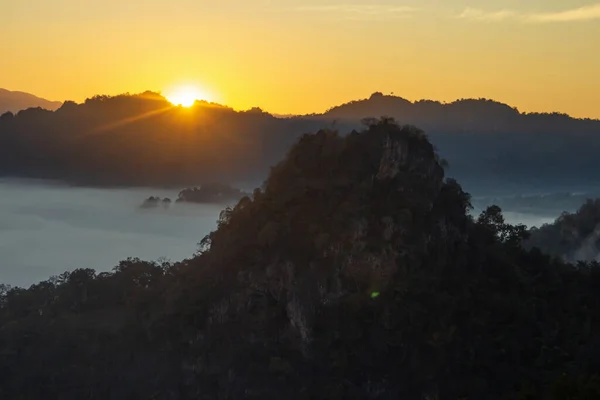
{"points": [[408, 149], [340, 218]]}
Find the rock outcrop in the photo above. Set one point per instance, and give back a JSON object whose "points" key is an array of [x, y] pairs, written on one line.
{"points": [[340, 219]]}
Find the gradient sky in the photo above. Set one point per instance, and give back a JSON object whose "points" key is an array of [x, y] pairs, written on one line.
{"points": [[291, 56]]}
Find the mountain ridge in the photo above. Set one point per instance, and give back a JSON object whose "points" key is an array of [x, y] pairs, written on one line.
{"points": [[374, 101], [14, 101], [377, 99], [128, 140]]}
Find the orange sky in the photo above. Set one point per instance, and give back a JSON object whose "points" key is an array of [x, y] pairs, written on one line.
{"points": [[292, 56]]}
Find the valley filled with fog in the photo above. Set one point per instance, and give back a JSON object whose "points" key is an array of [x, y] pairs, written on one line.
{"points": [[46, 229]]}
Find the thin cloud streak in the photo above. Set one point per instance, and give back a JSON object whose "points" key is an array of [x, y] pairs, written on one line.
{"points": [[585, 13], [481, 15], [358, 9]]}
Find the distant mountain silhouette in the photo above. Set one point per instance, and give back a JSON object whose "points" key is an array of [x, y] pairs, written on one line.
{"points": [[493, 145], [463, 114], [144, 140], [16, 101]]}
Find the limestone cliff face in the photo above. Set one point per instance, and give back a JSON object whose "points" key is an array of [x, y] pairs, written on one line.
{"points": [[409, 152], [339, 219]]}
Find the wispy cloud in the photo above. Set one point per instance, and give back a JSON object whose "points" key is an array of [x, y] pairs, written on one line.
{"points": [[359, 10], [585, 13], [481, 15]]}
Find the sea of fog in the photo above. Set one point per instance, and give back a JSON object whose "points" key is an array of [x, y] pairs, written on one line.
{"points": [[46, 229]]}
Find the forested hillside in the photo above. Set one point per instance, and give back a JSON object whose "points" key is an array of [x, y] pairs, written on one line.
{"points": [[493, 147], [142, 140], [355, 272]]}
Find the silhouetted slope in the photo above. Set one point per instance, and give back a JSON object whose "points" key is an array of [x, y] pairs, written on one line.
{"points": [[16, 101], [464, 115], [143, 140], [354, 273]]}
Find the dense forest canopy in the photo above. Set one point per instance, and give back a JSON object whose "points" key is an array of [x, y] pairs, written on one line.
{"points": [[144, 140], [354, 272], [139, 140]]}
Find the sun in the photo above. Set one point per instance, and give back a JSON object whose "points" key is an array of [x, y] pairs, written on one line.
{"points": [[185, 96]]}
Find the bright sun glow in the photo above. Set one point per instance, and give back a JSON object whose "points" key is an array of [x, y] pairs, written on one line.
{"points": [[185, 96]]}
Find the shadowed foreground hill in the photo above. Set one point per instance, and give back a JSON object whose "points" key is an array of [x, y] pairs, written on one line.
{"points": [[16, 101], [144, 140], [355, 273]]}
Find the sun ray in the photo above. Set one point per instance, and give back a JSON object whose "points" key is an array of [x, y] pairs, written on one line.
{"points": [[124, 121]]}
